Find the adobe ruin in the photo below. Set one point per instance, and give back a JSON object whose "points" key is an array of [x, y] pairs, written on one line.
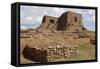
{"points": [[68, 21], [67, 31]]}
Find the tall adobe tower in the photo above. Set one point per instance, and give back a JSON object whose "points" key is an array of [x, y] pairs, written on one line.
{"points": [[70, 21]]}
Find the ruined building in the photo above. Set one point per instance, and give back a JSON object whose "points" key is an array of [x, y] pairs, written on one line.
{"points": [[55, 46], [68, 21]]}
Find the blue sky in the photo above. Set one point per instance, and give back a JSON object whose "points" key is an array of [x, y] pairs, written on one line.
{"points": [[31, 16]]}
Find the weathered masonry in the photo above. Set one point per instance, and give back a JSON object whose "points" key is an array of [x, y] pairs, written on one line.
{"points": [[57, 53], [68, 21]]}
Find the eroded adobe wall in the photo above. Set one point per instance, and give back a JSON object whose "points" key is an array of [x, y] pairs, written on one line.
{"points": [[70, 21], [62, 22], [74, 22], [48, 23], [35, 54]]}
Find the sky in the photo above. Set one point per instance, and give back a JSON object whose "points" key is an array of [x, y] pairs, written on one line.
{"points": [[31, 16]]}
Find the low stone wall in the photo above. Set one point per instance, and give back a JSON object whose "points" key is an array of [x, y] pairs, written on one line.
{"points": [[59, 53], [50, 54]]}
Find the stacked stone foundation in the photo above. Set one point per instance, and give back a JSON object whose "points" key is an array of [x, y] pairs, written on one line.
{"points": [[50, 54]]}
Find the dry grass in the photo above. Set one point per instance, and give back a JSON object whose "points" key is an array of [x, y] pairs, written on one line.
{"points": [[86, 52]]}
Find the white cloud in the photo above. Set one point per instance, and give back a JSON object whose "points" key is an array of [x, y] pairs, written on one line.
{"points": [[29, 18], [23, 27]]}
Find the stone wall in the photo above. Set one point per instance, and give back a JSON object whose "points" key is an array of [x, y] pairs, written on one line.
{"points": [[50, 54]]}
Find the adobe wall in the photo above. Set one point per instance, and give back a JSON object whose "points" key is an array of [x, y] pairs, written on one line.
{"points": [[74, 21], [62, 22], [70, 21], [48, 23]]}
